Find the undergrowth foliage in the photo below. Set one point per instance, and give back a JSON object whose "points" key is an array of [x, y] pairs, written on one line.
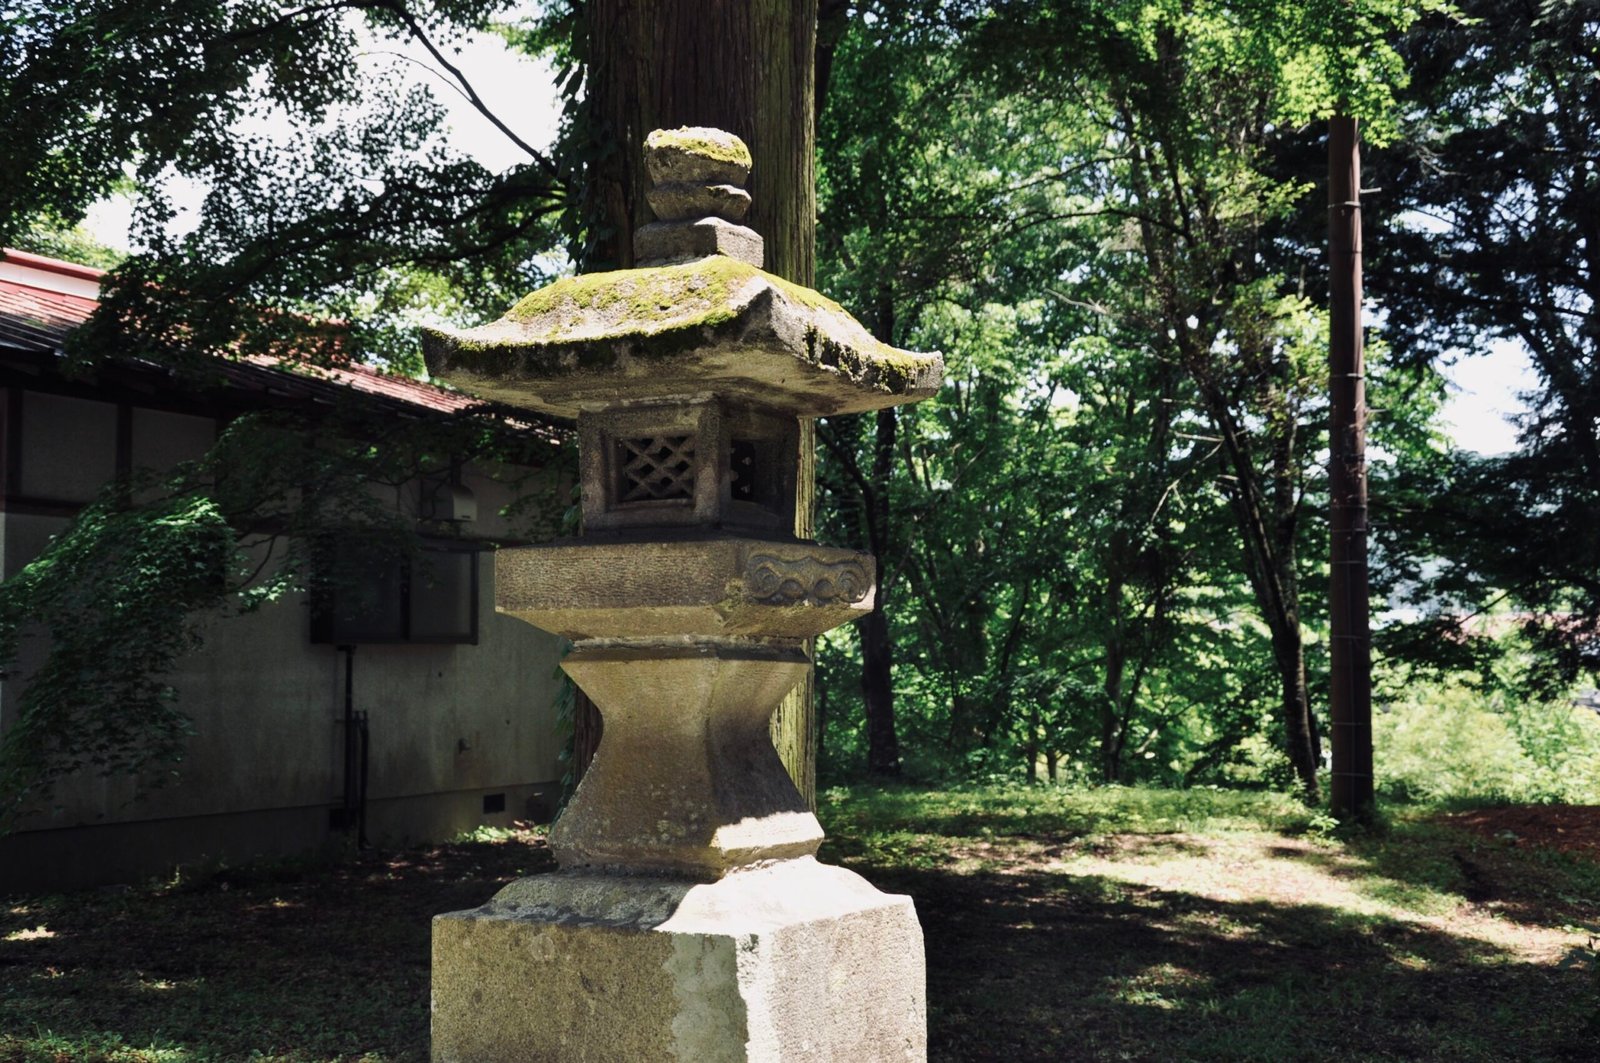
{"points": [[95, 624]]}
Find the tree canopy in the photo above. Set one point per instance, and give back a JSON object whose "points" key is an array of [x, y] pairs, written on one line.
{"points": [[1101, 548]]}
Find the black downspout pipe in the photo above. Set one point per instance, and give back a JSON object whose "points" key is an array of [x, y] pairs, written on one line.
{"points": [[361, 789], [355, 753]]}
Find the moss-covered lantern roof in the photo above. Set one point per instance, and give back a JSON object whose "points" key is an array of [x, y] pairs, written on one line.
{"points": [[698, 318], [713, 325]]}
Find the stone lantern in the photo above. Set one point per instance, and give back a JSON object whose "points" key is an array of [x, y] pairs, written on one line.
{"points": [[689, 919]]}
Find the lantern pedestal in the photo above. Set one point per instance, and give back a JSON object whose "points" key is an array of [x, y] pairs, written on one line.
{"points": [[792, 960], [686, 781], [686, 647], [690, 919]]}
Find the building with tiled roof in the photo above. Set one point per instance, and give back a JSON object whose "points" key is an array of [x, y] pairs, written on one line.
{"points": [[307, 734]]}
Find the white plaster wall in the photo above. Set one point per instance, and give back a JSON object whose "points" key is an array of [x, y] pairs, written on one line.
{"points": [[162, 439], [69, 447], [267, 706]]}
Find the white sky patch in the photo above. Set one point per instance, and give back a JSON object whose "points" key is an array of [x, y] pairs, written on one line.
{"points": [[517, 88], [110, 220], [1485, 393]]}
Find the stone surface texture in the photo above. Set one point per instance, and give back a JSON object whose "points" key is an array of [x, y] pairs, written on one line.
{"points": [[696, 155], [710, 326], [715, 587], [667, 243], [699, 197], [685, 781], [690, 919], [682, 201], [767, 442], [792, 961]]}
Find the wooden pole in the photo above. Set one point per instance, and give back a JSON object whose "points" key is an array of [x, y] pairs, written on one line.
{"points": [[1351, 643]]}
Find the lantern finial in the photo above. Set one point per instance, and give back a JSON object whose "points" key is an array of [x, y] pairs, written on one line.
{"points": [[698, 194]]}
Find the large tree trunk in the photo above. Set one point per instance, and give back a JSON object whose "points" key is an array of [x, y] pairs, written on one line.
{"points": [[1113, 725], [877, 649], [883, 745], [1288, 652], [1266, 512], [746, 66]]}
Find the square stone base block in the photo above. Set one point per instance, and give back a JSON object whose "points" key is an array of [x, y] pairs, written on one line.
{"points": [[794, 960]]}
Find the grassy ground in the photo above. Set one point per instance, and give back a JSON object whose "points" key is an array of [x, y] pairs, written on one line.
{"points": [[280, 963], [1117, 925], [1060, 925]]}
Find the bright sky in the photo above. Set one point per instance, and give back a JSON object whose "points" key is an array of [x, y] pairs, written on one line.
{"points": [[1485, 393], [521, 91], [518, 89]]}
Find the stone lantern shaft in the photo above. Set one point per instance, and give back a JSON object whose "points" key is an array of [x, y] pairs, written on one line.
{"points": [[686, 854]]}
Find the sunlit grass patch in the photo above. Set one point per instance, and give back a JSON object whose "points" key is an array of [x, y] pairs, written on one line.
{"points": [[1161, 985], [47, 1047], [1399, 896], [1016, 809], [521, 831], [1132, 924]]}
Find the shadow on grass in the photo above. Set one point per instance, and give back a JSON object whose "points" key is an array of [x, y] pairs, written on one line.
{"points": [[1023, 964], [279, 963], [1042, 966]]}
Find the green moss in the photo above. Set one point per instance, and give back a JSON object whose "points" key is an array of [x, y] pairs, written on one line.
{"points": [[694, 141], [688, 295], [583, 323], [807, 297], [874, 362], [883, 368]]}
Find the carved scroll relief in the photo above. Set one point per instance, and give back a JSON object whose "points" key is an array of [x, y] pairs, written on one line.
{"points": [[777, 580]]}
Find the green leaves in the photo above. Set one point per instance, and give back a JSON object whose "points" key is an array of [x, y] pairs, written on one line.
{"points": [[1102, 211], [324, 179], [1490, 235], [116, 597]]}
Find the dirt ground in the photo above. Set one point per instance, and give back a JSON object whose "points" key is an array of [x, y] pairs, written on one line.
{"points": [[1564, 828]]}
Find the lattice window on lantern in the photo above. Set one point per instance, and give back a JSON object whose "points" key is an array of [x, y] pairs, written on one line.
{"points": [[758, 471], [655, 469]]}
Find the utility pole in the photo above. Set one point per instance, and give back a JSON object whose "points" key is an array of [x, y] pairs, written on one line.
{"points": [[1351, 648]]}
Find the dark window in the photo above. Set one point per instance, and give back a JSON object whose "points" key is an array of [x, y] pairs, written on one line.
{"points": [[754, 476], [365, 594], [67, 447]]}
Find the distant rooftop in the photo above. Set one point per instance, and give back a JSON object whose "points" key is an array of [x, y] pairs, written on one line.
{"points": [[43, 299]]}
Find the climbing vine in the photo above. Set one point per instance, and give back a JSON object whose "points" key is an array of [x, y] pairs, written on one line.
{"points": [[93, 627]]}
